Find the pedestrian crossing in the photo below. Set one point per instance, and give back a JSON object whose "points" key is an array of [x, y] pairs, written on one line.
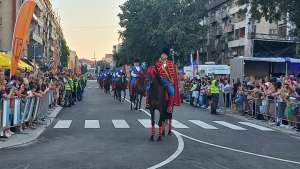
{"points": [[146, 123]]}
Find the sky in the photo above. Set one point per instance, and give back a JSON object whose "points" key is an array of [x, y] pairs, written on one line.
{"points": [[89, 26]]}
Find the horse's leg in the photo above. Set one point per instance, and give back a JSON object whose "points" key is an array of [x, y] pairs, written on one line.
{"points": [[140, 104], [170, 123], [152, 125], [136, 101], [124, 95], [161, 127]]}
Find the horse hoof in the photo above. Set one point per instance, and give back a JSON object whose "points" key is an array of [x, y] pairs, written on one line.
{"points": [[151, 138], [159, 139]]}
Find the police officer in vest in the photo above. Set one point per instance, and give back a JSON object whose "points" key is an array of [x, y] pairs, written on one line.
{"points": [[68, 92], [215, 91]]}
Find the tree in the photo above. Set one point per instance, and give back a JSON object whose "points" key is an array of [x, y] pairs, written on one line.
{"points": [[64, 53], [150, 25], [275, 10]]}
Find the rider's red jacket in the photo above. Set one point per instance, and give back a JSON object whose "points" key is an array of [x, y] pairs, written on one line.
{"points": [[167, 71]]}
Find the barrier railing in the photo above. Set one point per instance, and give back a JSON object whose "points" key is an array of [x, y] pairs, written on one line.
{"points": [[273, 110], [20, 113]]}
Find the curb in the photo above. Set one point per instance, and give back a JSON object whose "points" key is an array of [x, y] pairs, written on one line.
{"points": [[40, 131]]}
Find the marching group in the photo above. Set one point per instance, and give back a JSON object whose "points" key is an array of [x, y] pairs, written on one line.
{"points": [[275, 99], [66, 88]]}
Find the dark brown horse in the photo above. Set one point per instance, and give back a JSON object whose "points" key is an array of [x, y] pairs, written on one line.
{"points": [[137, 92], [121, 86], [157, 101], [107, 84]]}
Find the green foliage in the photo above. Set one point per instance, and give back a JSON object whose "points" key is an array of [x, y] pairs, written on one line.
{"points": [[275, 10], [64, 53], [150, 25]]}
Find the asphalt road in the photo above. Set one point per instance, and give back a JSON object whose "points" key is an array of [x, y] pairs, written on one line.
{"points": [[100, 133]]}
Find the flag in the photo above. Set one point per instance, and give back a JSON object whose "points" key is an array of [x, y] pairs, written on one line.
{"points": [[21, 32], [198, 58], [192, 63]]}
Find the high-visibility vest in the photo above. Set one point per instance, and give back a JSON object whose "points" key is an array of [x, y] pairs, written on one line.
{"points": [[71, 84], [214, 89], [67, 86], [76, 83]]}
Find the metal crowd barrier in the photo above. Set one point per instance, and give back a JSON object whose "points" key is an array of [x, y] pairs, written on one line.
{"points": [[17, 112], [273, 110]]}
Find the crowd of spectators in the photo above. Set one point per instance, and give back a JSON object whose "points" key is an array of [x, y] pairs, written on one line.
{"points": [[274, 99], [37, 84]]}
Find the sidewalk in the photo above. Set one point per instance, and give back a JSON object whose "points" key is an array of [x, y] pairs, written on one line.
{"points": [[282, 128], [29, 135]]}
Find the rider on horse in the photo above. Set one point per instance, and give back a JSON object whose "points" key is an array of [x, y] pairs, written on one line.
{"points": [[167, 71], [135, 71]]}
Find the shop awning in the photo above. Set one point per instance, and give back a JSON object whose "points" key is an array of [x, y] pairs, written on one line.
{"points": [[267, 59], [5, 62]]}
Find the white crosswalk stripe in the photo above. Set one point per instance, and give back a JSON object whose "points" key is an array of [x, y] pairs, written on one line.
{"points": [[92, 124], [203, 124], [63, 124], [120, 124], [146, 123], [256, 126], [231, 126], [178, 125]]}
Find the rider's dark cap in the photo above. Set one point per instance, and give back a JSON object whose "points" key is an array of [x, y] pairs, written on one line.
{"points": [[136, 60], [165, 51]]}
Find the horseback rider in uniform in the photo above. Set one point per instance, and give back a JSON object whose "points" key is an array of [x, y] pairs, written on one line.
{"points": [[135, 70], [167, 71]]}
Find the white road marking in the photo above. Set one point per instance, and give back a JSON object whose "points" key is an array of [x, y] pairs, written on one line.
{"points": [[231, 126], [181, 147], [203, 124], [92, 124], [146, 123], [178, 125], [256, 126], [120, 124], [63, 124], [174, 155], [178, 151], [240, 151]]}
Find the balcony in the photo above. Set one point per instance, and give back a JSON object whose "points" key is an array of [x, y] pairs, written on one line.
{"points": [[270, 37], [237, 43], [229, 28], [240, 24], [37, 37]]}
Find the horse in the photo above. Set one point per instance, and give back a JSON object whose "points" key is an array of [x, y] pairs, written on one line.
{"points": [[107, 83], [158, 101], [137, 92], [121, 85]]}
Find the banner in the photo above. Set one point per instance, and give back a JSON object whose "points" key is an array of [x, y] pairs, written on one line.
{"points": [[21, 32]]}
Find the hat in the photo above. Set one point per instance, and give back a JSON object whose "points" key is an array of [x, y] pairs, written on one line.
{"points": [[136, 60], [166, 51]]}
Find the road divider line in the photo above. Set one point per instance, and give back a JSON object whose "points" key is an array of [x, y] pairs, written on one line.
{"points": [[92, 124], [63, 124], [239, 151], [231, 126], [120, 124], [203, 124], [256, 126]]}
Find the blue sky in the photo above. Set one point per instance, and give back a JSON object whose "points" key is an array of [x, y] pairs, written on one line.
{"points": [[89, 25]]}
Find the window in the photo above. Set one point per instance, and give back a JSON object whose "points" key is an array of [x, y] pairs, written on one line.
{"points": [[0, 20], [242, 33]]}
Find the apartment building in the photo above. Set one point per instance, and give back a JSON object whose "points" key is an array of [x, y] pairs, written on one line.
{"points": [[233, 33], [44, 36]]}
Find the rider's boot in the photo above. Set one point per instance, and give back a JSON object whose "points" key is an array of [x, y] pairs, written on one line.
{"points": [[170, 104]]}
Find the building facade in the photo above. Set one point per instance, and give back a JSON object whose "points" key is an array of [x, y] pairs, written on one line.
{"points": [[233, 33], [43, 42]]}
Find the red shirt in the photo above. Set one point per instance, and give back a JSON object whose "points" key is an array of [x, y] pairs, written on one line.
{"points": [[168, 71]]}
